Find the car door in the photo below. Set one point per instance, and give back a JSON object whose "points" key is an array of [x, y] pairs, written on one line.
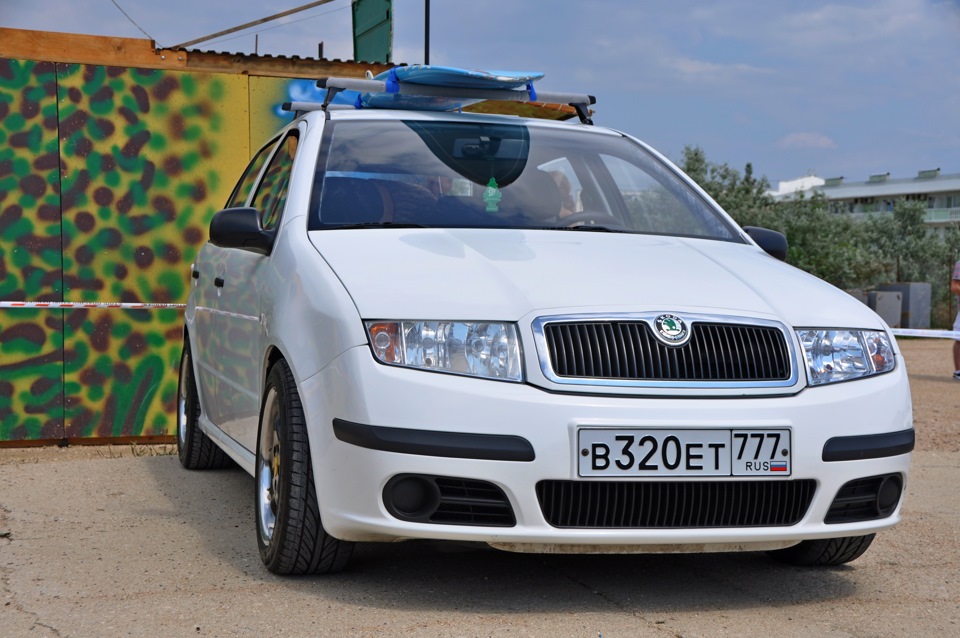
{"points": [[203, 329], [241, 282], [208, 327]]}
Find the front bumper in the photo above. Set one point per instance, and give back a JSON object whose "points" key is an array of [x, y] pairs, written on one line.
{"points": [[351, 474]]}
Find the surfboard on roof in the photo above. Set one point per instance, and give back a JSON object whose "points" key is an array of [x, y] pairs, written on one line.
{"points": [[462, 78], [443, 76]]}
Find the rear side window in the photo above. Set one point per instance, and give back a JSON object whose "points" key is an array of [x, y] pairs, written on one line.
{"points": [[242, 190], [272, 192]]}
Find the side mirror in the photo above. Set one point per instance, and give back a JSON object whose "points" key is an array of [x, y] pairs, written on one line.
{"points": [[772, 242], [240, 228]]}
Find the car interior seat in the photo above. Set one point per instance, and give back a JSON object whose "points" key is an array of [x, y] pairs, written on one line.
{"points": [[351, 200], [535, 196]]}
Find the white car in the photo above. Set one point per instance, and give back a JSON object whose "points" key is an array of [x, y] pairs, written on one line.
{"points": [[534, 334]]}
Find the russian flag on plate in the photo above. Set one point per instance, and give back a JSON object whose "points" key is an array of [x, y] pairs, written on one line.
{"points": [[778, 466]]}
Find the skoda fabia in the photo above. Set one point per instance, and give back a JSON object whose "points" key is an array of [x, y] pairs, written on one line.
{"points": [[534, 334]]}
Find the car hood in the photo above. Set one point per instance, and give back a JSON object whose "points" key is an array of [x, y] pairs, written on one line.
{"points": [[505, 274]]}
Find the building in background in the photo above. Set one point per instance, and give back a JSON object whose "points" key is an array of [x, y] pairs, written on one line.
{"points": [[940, 194], [786, 188]]}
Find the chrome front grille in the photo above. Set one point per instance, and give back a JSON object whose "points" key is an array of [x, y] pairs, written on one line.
{"points": [[626, 350]]}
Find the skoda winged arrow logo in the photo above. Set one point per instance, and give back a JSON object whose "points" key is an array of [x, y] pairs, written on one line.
{"points": [[671, 330]]}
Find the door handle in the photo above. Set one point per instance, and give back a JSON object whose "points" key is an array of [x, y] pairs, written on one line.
{"points": [[195, 274], [218, 282]]}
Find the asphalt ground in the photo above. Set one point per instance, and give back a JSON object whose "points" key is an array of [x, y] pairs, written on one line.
{"points": [[120, 541]]}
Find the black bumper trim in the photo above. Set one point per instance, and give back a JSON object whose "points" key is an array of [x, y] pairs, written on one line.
{"points": [[457, 445], [869, 446]]}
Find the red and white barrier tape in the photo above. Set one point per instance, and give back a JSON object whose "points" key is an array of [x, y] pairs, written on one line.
{"points": [[916, 332], [87, 304]]}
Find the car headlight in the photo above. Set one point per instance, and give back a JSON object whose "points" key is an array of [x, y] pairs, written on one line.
{"points": [[474, 348], [841, 355]]}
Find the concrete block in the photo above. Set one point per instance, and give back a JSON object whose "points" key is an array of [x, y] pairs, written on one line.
{"points": [[915, 309], [887, 304]]}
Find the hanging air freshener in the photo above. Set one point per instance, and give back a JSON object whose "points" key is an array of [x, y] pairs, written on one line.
{"points": [[492, 196]]}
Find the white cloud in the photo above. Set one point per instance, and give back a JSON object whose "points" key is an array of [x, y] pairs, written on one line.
{"points": [[806, 140], [838, 25], [702, 69]]}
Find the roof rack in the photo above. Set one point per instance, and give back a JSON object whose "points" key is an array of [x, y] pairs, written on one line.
{"points": [[579, 101]]}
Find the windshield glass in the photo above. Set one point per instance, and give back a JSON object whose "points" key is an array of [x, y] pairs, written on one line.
{"points": [[473, 174]]}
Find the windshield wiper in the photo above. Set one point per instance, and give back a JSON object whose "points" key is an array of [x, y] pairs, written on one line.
{"points": [[593, 228], [373, 225]]}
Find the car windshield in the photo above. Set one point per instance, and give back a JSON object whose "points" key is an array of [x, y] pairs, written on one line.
{"points": [[494, 175]]}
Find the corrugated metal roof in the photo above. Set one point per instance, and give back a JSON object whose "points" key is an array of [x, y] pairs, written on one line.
{"points": [[267, 56], [76, 48]]}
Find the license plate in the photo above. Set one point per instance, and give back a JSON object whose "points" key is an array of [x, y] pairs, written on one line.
{"points": [[660, 452]]}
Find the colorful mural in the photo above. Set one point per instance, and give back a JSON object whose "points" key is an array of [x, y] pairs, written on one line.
{"points": [[31, 341], [120, 371], [267, 96], [31, 374], [146, 158], [108, 179]]}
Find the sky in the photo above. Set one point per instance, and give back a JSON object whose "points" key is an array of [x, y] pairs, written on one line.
{"points": [[841, 88]]}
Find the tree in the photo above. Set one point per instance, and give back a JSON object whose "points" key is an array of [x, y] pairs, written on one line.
{"points": [[745, 197], [835, 247], [915, 251]]}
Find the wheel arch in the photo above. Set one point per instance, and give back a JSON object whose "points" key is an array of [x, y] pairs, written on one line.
{"points": [[271, 356]]}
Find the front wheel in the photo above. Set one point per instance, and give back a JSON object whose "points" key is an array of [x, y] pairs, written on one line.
{"points": [[290, 534], [825, 551]]}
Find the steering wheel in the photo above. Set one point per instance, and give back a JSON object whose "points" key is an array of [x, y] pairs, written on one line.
{"points": [[591, 218]]}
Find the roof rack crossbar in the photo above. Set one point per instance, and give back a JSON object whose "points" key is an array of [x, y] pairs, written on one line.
{"points": [[301, 107], [579, 101]]}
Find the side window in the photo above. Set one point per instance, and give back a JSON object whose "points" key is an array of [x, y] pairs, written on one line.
{"points": [[240, 192], [272, 192]]}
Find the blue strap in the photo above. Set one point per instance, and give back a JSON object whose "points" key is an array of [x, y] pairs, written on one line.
{"points": [[393, 84], [359, 103], [532, 92]]}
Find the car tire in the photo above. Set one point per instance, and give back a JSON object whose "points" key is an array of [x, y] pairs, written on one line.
{"points": [[824, 552], [196, 450], [290, 534]]}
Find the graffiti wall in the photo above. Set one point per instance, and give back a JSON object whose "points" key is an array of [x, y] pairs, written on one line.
{"points": [[108, 179], [31, 265]]}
